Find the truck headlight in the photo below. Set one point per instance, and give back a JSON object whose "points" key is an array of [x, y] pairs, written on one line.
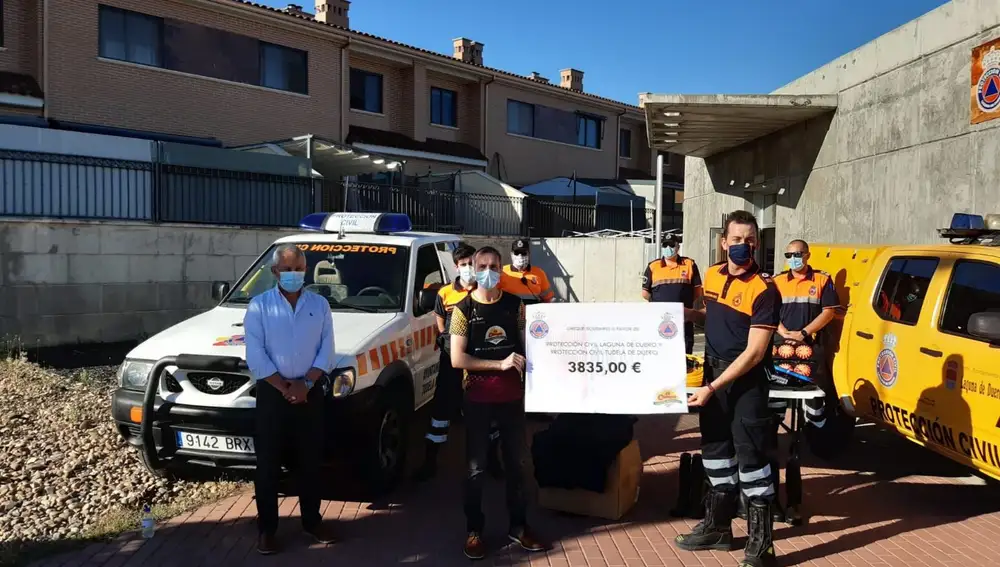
{"points": [[133, 374], [342, 382]]}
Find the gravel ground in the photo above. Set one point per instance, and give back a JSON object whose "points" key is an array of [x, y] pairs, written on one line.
{"points": [[65, 473]]}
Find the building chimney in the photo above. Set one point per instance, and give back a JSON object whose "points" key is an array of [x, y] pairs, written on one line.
{"points": [[535, 76], [295, 10], [333, 12], [468, 51], [571, 79]]}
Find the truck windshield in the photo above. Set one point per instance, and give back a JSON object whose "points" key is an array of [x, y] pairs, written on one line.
{"points": [[351, 276]]}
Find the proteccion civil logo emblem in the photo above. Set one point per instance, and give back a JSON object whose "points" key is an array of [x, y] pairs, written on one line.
{"points": [[988, 85], [667, 328], [887, 363], [538, 329]]}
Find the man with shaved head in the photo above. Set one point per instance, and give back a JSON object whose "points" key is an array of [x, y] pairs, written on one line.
{"points": [[289, 342]]}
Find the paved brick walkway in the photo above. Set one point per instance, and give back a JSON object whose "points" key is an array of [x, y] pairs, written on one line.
{"points": [[888, 503]]}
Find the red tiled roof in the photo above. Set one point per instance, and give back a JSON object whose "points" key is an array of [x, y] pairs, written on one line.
{"points": [[445, 58], [360, 135]]}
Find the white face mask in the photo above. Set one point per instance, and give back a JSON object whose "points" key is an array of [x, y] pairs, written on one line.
{"points": [[467, 274], [519, 260]]}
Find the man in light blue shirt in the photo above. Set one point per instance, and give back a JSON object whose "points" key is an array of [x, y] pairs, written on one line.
{"points": [[289, 349]]}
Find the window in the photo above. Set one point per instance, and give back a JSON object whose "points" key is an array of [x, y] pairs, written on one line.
{"points": [[444, 107], [283, 68], [588, 131], [974, 288], [130, 36], [366, 91], [348, 276], [625, 143], [904, 285], [553, 124], [428, 272], [520, 118]]}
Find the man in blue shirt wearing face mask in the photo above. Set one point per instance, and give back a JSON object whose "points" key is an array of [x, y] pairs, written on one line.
{"points": [[289, 350]]}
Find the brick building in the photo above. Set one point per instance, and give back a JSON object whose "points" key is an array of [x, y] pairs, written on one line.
{"points": [[244, 73]]}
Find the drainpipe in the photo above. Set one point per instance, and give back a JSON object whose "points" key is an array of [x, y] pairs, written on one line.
{"points": [[618, 141], [45, 59], [485, 101], [345, 74], [658, 221], [317, 195]]}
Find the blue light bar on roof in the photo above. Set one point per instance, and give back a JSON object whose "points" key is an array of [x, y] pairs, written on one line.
{"points": [[966, 221], [370, 223]]}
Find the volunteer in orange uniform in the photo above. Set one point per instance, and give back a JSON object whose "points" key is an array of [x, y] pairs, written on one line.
{"points": [[522, 279], [741, 314], [808, 303], [448, 387], [674, 278]]}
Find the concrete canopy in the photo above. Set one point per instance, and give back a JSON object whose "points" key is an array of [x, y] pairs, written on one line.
{"points": [[704, 125]]}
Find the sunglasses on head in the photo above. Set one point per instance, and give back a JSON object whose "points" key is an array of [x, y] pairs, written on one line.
{"points": [[794, 254]]}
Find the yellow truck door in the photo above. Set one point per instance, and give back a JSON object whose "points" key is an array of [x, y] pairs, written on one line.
{"points": [[967, 400], [892, 320]]}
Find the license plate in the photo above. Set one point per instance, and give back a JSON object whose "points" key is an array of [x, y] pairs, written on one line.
{"points": [[223, 443]]}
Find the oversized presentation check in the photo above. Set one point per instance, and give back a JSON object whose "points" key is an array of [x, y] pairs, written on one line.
{"points": [[611, 358]]}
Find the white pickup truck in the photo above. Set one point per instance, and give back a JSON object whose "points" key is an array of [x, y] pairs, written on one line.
{"points": [[186, 395]]}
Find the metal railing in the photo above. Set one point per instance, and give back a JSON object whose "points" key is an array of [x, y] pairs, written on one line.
{"points": [[60, 186]]}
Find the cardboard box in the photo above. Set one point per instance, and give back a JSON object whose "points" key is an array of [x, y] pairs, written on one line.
{"points": [[620, 494]]}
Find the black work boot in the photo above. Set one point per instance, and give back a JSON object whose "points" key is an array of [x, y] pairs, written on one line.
{"points": [[699, 486], [742, 505], [759, 551], [429, 467], [715, 531]]}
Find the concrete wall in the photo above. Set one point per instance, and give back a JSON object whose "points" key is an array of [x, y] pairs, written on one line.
{"points": [[891, 165], [68, 282], [81, 282]]}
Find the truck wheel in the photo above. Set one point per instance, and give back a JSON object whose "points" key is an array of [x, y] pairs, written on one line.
{"points": [[156, 472], [835, 436], [385, 447]]}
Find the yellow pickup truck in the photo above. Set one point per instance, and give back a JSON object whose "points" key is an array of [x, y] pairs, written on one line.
{"points": [[917, 348]]}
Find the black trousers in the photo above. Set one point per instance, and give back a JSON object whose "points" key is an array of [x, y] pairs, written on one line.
{"points": [[737, 436], [689, 337], [284, 428], [510, 420], [447, 402]]}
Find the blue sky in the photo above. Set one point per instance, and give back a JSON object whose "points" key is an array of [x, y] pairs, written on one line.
{"points": [[662, 46]]}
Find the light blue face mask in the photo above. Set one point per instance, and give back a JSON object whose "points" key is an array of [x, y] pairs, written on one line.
{"points": [[291, 281], [795, 263], [467, 274], [668, 251], [488, 279]]}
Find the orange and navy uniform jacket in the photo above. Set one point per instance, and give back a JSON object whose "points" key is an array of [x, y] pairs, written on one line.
{"points": [[802, 300], [734, 305], [677, 283], [447, 298], [530, 284]]}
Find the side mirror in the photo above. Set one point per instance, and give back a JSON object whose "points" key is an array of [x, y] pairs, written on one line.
{"points": [[985, 325], [427, 297], [219, 290]]}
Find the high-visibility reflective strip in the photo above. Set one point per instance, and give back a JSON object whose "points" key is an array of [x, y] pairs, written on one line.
{"points": [[814, 411], [393, 352], [436, 438], [759, 474], [758, 491], [818, 424], [670, 281], [439, 424], [718, 464], [373, 355], [800, 299], [362, 365], [494, 435], [717, 480]]}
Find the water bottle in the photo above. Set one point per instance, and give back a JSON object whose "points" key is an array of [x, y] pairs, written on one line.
{"points": [[148, 523]]}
